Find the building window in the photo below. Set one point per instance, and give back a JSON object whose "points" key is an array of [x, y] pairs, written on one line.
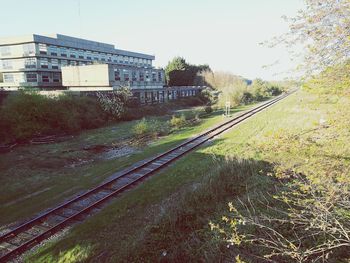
{"points": [[134, 76], [117, 75], [45, 77], [7, 64], [126, 60], [5, 51], [142, 76], [126, 76], [56, 77], [64, 63], [54, 63], [109, 58], [81, 54], [32, 77], [28, 49], [30, 63], [154, 77], [63, 52], [43, 49], [8, 78], [44, 63], [72, 53], [160, 77], [53, 50]]}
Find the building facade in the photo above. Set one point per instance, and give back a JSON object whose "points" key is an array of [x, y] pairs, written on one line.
{"points": [[37, 61]]}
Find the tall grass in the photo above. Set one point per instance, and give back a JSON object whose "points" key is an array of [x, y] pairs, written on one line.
{"points": [[183, 233], [25, 115]]}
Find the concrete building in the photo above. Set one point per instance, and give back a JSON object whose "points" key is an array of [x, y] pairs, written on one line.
{"points": [[37, 61]]}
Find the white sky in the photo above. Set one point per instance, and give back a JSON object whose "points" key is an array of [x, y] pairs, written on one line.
{"points": [[222, 33]]}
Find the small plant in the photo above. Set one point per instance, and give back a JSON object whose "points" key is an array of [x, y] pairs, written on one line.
{"points": [[208, 109], [178, 122], [141, 128]]}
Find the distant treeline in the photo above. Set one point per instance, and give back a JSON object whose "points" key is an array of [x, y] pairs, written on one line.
{"points": [[227, 87]]}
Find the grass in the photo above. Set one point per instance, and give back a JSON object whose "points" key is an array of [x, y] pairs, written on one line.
{"points": [[37, 177], [167, 217]]}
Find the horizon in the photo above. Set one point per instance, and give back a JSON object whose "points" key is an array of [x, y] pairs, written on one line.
{"points": [[225, 36]]}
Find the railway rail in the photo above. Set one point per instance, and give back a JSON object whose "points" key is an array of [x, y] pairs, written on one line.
{"points": [[32, 232]]}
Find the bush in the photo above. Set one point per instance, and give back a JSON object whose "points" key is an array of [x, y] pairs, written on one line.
{"points": [[28, 114], [178, 122], [208, 109], [151, 127], [247, 98], [141, 128]]}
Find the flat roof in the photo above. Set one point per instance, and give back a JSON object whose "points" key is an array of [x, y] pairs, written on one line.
{"points": [[72, 42]]}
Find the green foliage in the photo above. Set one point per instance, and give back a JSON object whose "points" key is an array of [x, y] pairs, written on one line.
{"points": [[182, 230], [113, 103], [151, 127], [179, 73], [207, 96], [334, 79], [141, 128], [208, 109], [29, 114], [178, 122]]}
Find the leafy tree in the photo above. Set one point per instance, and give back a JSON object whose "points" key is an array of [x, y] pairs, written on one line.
{"points": [[323, 30], [180, 73]]}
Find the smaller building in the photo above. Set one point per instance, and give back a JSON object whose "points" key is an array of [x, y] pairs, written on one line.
{"points": [[109, 77]]}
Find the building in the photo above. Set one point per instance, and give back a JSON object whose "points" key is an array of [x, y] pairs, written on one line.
{"points": [[37, 61], [58, 62]]}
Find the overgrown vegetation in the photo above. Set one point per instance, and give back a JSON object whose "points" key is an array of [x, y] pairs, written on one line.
{"points": [[238, 90], [25, 115], [180, 73], [28, 114], [275, 159]]}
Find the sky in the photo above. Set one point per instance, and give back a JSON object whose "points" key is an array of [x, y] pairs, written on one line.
{"points": [[222, 33]]}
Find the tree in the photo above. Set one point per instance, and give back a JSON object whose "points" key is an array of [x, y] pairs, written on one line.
{"points": [[180, 73], [177, 64], [323, 29]]}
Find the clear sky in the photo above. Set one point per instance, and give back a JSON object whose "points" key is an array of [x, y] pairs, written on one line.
{"points": [[222, 33]]}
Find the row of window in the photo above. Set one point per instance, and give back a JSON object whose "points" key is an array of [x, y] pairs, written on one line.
{"points": [[91, 55], [30, 63], [124, 75], [155, 96], [32, 77], [30, 49]]}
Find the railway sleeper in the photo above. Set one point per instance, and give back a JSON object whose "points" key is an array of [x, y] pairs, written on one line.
{"points": [[121, 182], [19, 239], [6, 247], [52, 220], [66, 212]]}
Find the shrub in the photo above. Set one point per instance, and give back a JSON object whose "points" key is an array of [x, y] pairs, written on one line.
{"points": [[141, 128], [178, 122], [27, 114], [208, 109], [247, 98], [113, 103]]}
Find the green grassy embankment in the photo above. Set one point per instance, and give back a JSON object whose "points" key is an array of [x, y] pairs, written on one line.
{"points": [[167, 217], [35, 177]]}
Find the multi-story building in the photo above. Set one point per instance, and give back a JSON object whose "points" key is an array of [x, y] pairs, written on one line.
{"points": [[36, 61]]}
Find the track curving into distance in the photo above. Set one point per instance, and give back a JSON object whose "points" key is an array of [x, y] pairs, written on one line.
{"points": [[32, 232]]}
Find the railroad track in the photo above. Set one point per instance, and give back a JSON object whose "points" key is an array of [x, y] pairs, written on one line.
{"points": [[30, 233]]}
